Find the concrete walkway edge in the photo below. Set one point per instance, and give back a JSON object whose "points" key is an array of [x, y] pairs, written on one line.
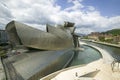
{"points": [[2, 71], [105, 55]]}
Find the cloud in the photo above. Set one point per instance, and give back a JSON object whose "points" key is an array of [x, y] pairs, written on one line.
{"points": [[37, 13], [91, 8], [84, 30], [5, 15], [76, 5]]}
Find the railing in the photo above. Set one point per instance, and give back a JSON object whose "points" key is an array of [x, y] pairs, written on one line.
{"points": [[115, 65]]}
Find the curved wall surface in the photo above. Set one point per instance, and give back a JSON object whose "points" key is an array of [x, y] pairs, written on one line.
{"points": [[54, 39], [35, 65]]}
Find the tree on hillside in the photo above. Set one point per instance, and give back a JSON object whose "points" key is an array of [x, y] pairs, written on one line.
{"points": [[101, 38]]}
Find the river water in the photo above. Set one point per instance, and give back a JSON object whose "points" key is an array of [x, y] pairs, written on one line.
{"points": [[90, 54], [114, 51]]}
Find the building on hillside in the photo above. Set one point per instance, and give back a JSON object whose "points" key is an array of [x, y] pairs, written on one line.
{"points": [[108, 36], [97, 35], [117, 39], [104, 37], [94, 35]]}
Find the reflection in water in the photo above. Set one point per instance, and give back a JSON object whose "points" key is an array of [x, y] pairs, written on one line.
{"points": [[114, 51], [86, 56]]}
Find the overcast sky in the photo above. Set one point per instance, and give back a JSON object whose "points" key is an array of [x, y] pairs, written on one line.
{"points": [[88, 15]]}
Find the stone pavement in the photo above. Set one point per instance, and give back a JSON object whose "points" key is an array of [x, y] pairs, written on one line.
{"points": [[103, 65], [2, 72]]}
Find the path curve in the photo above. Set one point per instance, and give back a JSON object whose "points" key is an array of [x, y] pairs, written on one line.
{"points": [[107, 58]]}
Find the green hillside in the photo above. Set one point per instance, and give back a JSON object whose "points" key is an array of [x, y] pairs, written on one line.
{"points": [[113, 31]]}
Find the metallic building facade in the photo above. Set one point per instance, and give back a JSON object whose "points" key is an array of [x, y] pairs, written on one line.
{"points": [[55, 38]]}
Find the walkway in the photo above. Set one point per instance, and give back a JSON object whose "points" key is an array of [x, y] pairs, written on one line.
{"points": [[102, 66], [105, 55], [105, 72], [2, 72]]}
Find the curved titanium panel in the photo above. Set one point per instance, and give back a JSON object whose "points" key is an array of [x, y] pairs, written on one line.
{"points": [[54, 39]]}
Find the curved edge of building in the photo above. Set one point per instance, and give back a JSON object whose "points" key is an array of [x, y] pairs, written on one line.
{"points": [[54, 39], [35, 65]]}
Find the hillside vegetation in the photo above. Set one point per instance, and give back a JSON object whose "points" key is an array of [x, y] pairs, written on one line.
{"points": [[113, 32]]}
